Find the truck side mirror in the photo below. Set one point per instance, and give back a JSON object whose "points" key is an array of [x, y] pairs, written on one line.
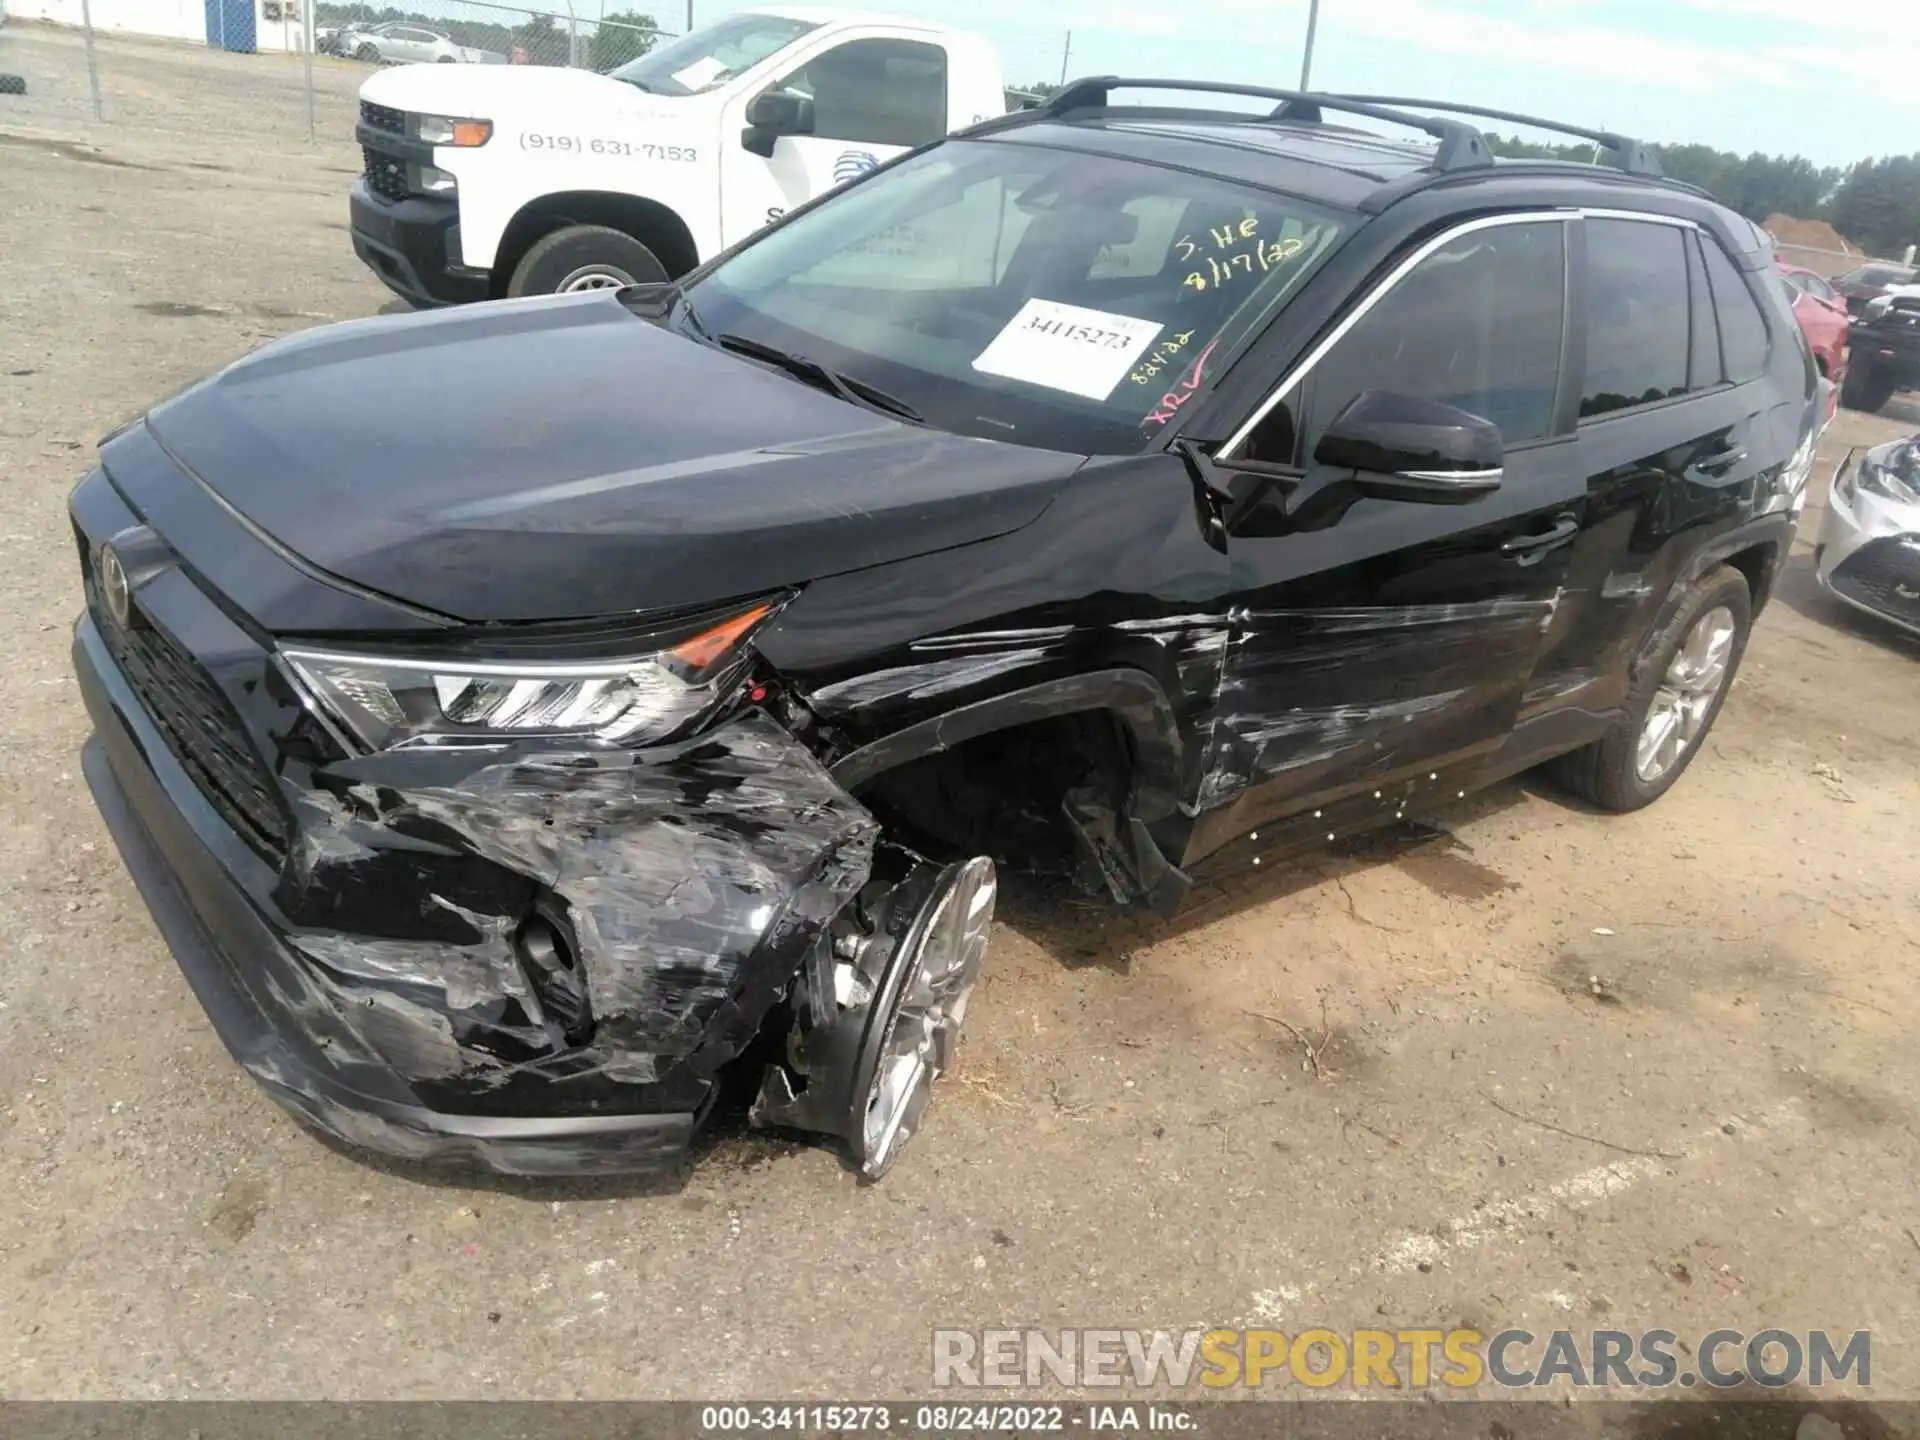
{"points": [[773, 113]]}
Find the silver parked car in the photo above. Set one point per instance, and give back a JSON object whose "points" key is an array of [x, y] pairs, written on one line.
{"points": [[1869, 549], [400, 43]]}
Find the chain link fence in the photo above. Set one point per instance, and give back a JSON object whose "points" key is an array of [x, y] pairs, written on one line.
{"points": [[278, 70]]}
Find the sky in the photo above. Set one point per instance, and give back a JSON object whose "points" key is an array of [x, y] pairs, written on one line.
{"points": [[1779, 76]]}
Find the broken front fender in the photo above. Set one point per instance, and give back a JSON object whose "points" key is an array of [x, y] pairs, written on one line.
{"points": [[381, 982]]}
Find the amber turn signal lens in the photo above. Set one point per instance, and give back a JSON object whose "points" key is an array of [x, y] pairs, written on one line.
{"points": [[469, 133], [709, 645]]}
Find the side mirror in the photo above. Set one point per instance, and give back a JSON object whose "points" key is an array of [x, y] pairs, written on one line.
{"points": [[1403, 448], [773, 113]]}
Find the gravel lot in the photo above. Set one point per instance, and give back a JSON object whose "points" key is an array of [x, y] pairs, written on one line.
{"points": [[1126, 1142]]}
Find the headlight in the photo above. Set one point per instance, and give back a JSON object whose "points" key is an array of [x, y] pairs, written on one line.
{"points": [[1876, 479], [388, 702], [446, 130]]}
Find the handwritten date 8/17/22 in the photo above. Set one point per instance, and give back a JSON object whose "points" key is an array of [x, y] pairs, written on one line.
{"points": [[574, 145]]}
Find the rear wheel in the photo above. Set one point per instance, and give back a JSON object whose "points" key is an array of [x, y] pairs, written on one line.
{"points": [[367, 53], [584, 257], [1866, 388], [878, 1014], [1681, 687]]}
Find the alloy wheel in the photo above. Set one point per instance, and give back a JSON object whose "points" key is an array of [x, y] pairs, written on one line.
{"points": [[1677, 716]]}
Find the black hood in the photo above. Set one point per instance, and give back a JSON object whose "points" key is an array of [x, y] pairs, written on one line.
{"points": [[547, 459]]}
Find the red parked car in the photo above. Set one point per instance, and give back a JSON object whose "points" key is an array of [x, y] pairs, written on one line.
{"points": [[1823, 320]]}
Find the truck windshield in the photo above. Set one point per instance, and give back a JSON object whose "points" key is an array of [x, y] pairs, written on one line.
{"points": [[1005, 290], [713, 56]]}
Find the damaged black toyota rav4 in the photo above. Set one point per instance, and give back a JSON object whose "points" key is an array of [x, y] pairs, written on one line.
{"points": [[523, 720]]}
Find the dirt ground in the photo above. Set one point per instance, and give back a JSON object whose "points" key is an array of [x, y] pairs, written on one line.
{"points": [[1565, 1070]]}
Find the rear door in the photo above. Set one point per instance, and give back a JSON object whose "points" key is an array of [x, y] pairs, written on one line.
{"points": [[1381, 648], [1674, 434], [872, 99]]}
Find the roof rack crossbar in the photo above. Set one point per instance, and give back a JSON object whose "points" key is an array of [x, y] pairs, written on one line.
{"points": [[1461, 146], [1631, 155]]}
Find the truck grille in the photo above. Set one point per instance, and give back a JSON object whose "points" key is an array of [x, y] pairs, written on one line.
{"points": [[1877, 573], [202, 731], [382, 117], [386, 176]]}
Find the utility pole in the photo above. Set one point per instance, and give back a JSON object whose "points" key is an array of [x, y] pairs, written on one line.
{"points": [[1306, 59], [1066, 51]]}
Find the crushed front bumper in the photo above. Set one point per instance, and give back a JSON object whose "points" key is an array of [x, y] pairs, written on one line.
{"points": [[1868, 553], [365, 968]]}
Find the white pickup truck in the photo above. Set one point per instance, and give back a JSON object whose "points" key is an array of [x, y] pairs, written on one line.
{"points": [[498, 180]]}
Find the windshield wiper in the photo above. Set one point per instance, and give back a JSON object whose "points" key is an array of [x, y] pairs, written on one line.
{"points": [[812, 372]]}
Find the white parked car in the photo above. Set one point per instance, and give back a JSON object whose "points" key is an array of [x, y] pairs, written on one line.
{"points": [[402, 44], [525, 179]]}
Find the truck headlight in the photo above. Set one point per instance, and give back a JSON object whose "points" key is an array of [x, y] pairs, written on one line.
{"points": [[447, 130], [388, 701]]}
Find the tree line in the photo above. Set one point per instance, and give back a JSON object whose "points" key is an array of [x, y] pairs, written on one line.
{"points": [[1874, 203]]}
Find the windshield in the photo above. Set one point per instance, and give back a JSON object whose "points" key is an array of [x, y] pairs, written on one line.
{"points": [[712, 56], [1070, 301], [1878, 275]]}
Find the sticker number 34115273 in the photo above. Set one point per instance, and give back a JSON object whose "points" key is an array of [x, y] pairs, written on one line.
{"points": [[1065, 347]]}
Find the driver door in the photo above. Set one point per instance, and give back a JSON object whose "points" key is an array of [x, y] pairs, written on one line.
{"points": [[871, 100], [1382, 646]]}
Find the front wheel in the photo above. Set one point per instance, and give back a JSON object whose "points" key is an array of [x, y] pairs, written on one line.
{"points": [[1681, 686], [877, 1017], [584, 257], [368, 54]]}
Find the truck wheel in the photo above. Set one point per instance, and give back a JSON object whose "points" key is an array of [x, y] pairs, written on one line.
{"points": [[444, 60], [878, 1011], [1689, 668], [1866, 388], [367, 53], [584, 257], [13, 84]]}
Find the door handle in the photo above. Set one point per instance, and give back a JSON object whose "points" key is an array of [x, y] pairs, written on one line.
{"points": [[1721, 461], [1531, 547]]}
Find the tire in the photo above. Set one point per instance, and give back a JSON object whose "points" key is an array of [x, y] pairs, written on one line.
{"points": [[879, 1012], [584, 257], [1608, 773], [1866, 389], [444, 60], [367, 53], [13, 84]]}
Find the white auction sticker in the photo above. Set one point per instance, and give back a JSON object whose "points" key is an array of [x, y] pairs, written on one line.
{"points": [[1084, 352], [702, 73]]}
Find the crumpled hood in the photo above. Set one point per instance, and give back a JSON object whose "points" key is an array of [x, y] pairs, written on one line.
{"points": [[561, 457]]}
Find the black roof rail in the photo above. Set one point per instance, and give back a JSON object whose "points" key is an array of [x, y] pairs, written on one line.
{"points": [[1461, 146], [1630, 154]]}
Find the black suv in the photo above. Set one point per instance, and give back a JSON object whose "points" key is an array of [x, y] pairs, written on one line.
{"points": [[1883, 350], [642, 688]]}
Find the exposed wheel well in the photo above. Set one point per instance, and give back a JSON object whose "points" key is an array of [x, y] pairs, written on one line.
{"points": [[1757, 563], [648, 221], [1003, 793]]}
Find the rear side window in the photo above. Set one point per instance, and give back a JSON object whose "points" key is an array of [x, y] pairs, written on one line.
{"points": [[1705, 370], [1638, 340], [1743, 330], [885, 92], [1477, 324]]}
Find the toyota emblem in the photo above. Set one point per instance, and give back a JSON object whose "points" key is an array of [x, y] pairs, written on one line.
{"points": [[115, 593]]}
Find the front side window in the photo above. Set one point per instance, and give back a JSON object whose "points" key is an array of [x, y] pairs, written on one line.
{"points": [[1638, 338], [711, 57], [1024, 293], [1476, 325], [883, 92]]}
